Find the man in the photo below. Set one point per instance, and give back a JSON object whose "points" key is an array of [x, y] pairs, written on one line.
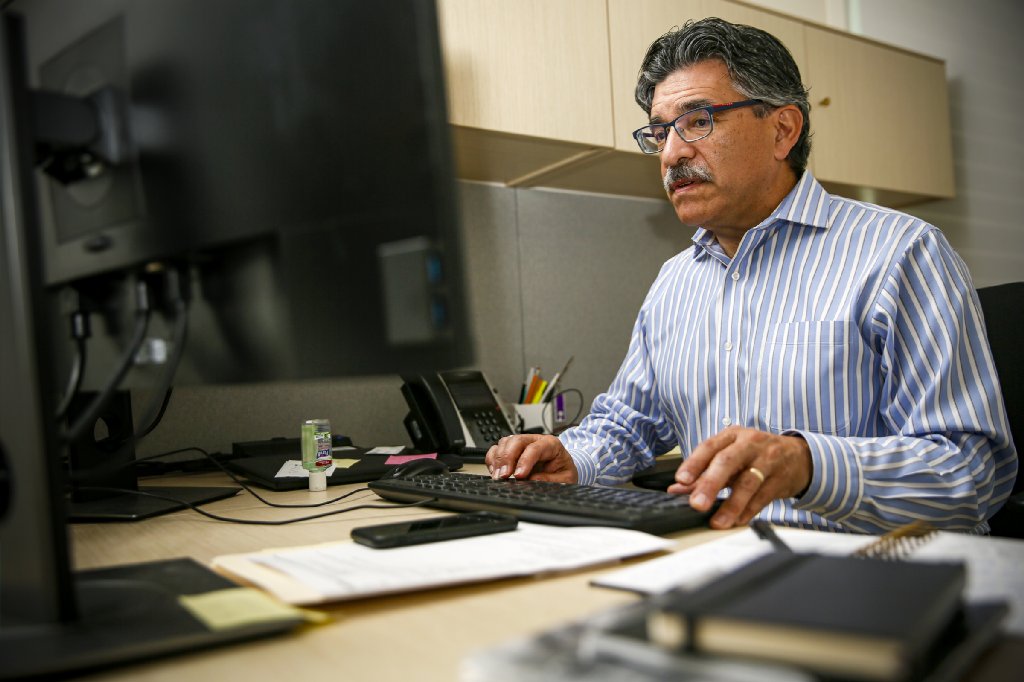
{"points": [[825, 359]]}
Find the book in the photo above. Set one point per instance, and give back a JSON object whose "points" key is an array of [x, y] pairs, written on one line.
{"points": [[852, 618], [612, 646], [993, 564]]}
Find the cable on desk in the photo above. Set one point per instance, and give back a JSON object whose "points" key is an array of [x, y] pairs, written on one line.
{"points": [[230, 474], [257, 522], [115, 468]]}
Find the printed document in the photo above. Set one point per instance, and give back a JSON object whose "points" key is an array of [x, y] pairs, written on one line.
{"points": [[344, 570]]}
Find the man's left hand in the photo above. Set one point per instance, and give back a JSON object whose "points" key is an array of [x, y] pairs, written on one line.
{"points": [[759, 466]]}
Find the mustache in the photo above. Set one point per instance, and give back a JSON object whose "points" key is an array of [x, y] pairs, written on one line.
{"points": [[685, 172]]}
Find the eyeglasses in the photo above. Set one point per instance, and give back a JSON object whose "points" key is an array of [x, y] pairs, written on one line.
{"points": [[691, 126]]}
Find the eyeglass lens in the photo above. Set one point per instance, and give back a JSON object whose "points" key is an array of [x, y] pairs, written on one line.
{"points": [[691, 126]]}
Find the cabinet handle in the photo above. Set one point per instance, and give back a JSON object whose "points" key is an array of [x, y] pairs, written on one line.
{"points": [[825, 102]]}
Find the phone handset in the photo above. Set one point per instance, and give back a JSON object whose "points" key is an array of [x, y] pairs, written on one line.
{"points": [[433, 422], [455, 411]]}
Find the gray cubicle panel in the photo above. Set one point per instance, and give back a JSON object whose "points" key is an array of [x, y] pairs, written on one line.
{"points": [[587, 263]]}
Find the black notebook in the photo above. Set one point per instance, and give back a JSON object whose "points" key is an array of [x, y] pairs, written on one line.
{"points": [[844, 617]]}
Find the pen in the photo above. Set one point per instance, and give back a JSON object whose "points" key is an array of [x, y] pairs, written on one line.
{"points": [[526, 384], [541, 391], [550, 392], [765, 531], [533, 392]]}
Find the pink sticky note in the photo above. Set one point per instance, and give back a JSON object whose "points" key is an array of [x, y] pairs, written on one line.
{"points": [[402, 459]]}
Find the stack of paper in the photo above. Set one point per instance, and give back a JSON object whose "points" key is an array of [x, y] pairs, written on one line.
{"points": [[344, 570]]}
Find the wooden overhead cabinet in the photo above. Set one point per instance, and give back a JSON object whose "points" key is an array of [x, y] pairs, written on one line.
{"points": [[528, 84], [541, 93], [880, 118]]}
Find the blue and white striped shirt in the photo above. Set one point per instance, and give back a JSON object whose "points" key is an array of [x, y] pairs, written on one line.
{"points": [[856, 327]]}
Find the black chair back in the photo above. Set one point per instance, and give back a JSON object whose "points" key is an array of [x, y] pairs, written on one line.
{"points": [[1003, 307]]}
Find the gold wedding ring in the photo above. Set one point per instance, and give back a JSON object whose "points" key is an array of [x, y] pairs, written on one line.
{"points": [[757, 472]]}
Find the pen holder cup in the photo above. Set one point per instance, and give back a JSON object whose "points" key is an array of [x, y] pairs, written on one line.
{"points": [[536, 415]]}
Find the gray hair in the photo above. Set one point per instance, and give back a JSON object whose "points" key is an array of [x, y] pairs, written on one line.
{"points": [[759, 64]]}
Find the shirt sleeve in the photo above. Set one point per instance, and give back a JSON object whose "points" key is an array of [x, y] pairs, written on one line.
{"points": [[950, 460], [625, 428]]}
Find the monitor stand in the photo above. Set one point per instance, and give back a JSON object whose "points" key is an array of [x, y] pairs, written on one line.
{"points": [[103, 464], [131, 507]]}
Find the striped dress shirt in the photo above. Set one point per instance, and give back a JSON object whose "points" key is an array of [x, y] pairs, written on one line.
{"points": [[853, 326]]}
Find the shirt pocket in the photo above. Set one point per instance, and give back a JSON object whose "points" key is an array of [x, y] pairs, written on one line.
{"points": [[808, 375]]}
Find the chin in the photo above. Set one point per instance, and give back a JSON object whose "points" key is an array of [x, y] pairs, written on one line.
{"points": [[687, 216]]}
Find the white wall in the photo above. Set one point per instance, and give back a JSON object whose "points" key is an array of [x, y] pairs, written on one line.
{"points": [[981, 44]]}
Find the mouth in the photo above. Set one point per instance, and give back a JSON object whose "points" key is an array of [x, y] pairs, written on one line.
{"points": [[683, 185]]}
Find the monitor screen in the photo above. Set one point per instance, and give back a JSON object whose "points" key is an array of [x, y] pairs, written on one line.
{"points": [[291, 158], [271, 176]]}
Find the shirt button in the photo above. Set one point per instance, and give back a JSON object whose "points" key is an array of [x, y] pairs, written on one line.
{"points": [[727, 345], [726, 421], [735, 276]]}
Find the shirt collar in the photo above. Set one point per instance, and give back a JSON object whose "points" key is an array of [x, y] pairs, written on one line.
{"points": [[806, 204]]}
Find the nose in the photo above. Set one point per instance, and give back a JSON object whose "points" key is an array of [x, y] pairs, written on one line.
{"points": [[675, 149]]}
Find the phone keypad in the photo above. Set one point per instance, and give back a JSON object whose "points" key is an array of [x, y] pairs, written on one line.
{"points": [[490, 425]]}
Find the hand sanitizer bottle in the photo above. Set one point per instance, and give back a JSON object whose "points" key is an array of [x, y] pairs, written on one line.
{"points": [[316, 452]]}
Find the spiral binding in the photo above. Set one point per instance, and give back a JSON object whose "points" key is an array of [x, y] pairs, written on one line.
{"points": [[898, 544]]}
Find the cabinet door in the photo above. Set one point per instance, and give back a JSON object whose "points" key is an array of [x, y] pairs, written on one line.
{"points": [[635, 24], [632, 26], [789, 31], [529, 67], [880, 117]]}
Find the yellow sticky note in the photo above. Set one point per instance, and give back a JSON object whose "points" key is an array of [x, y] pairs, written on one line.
{"points": [[237, 606], [345, 463]]}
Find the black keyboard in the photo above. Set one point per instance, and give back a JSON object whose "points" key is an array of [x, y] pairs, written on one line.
{"points": [[560, 504]]}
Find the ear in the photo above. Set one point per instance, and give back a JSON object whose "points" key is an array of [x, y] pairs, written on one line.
{"points": [[789, 122]]}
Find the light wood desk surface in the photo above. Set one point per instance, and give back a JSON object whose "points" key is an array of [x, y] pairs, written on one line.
{"points": [[419, 636]]}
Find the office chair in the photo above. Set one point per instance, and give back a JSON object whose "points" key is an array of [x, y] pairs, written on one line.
{"points": [[1003, 307]]}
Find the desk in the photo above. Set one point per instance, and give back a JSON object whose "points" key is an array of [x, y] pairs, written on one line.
{"points": [[418, 636]]}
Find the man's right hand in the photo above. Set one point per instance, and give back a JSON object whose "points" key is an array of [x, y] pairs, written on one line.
{"points": [[531, 456]]}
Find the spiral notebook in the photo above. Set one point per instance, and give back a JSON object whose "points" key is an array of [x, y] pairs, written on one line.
{"points": [[993, 564]]}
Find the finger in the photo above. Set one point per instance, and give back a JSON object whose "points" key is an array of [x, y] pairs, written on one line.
{"points": [[678, 487], [539, 449], [761, 499], [506, 453], [746, 487], [560, 468], [727, 464], [693, 466], [491, 457]]}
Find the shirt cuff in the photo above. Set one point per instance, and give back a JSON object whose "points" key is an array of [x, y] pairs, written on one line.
{"points": [[837, 484], [586, 468]]}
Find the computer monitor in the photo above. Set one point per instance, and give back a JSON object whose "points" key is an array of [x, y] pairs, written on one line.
{"points": [[275, 173]]}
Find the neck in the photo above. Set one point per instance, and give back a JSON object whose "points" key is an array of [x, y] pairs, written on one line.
{"points": [[729, 238]]}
